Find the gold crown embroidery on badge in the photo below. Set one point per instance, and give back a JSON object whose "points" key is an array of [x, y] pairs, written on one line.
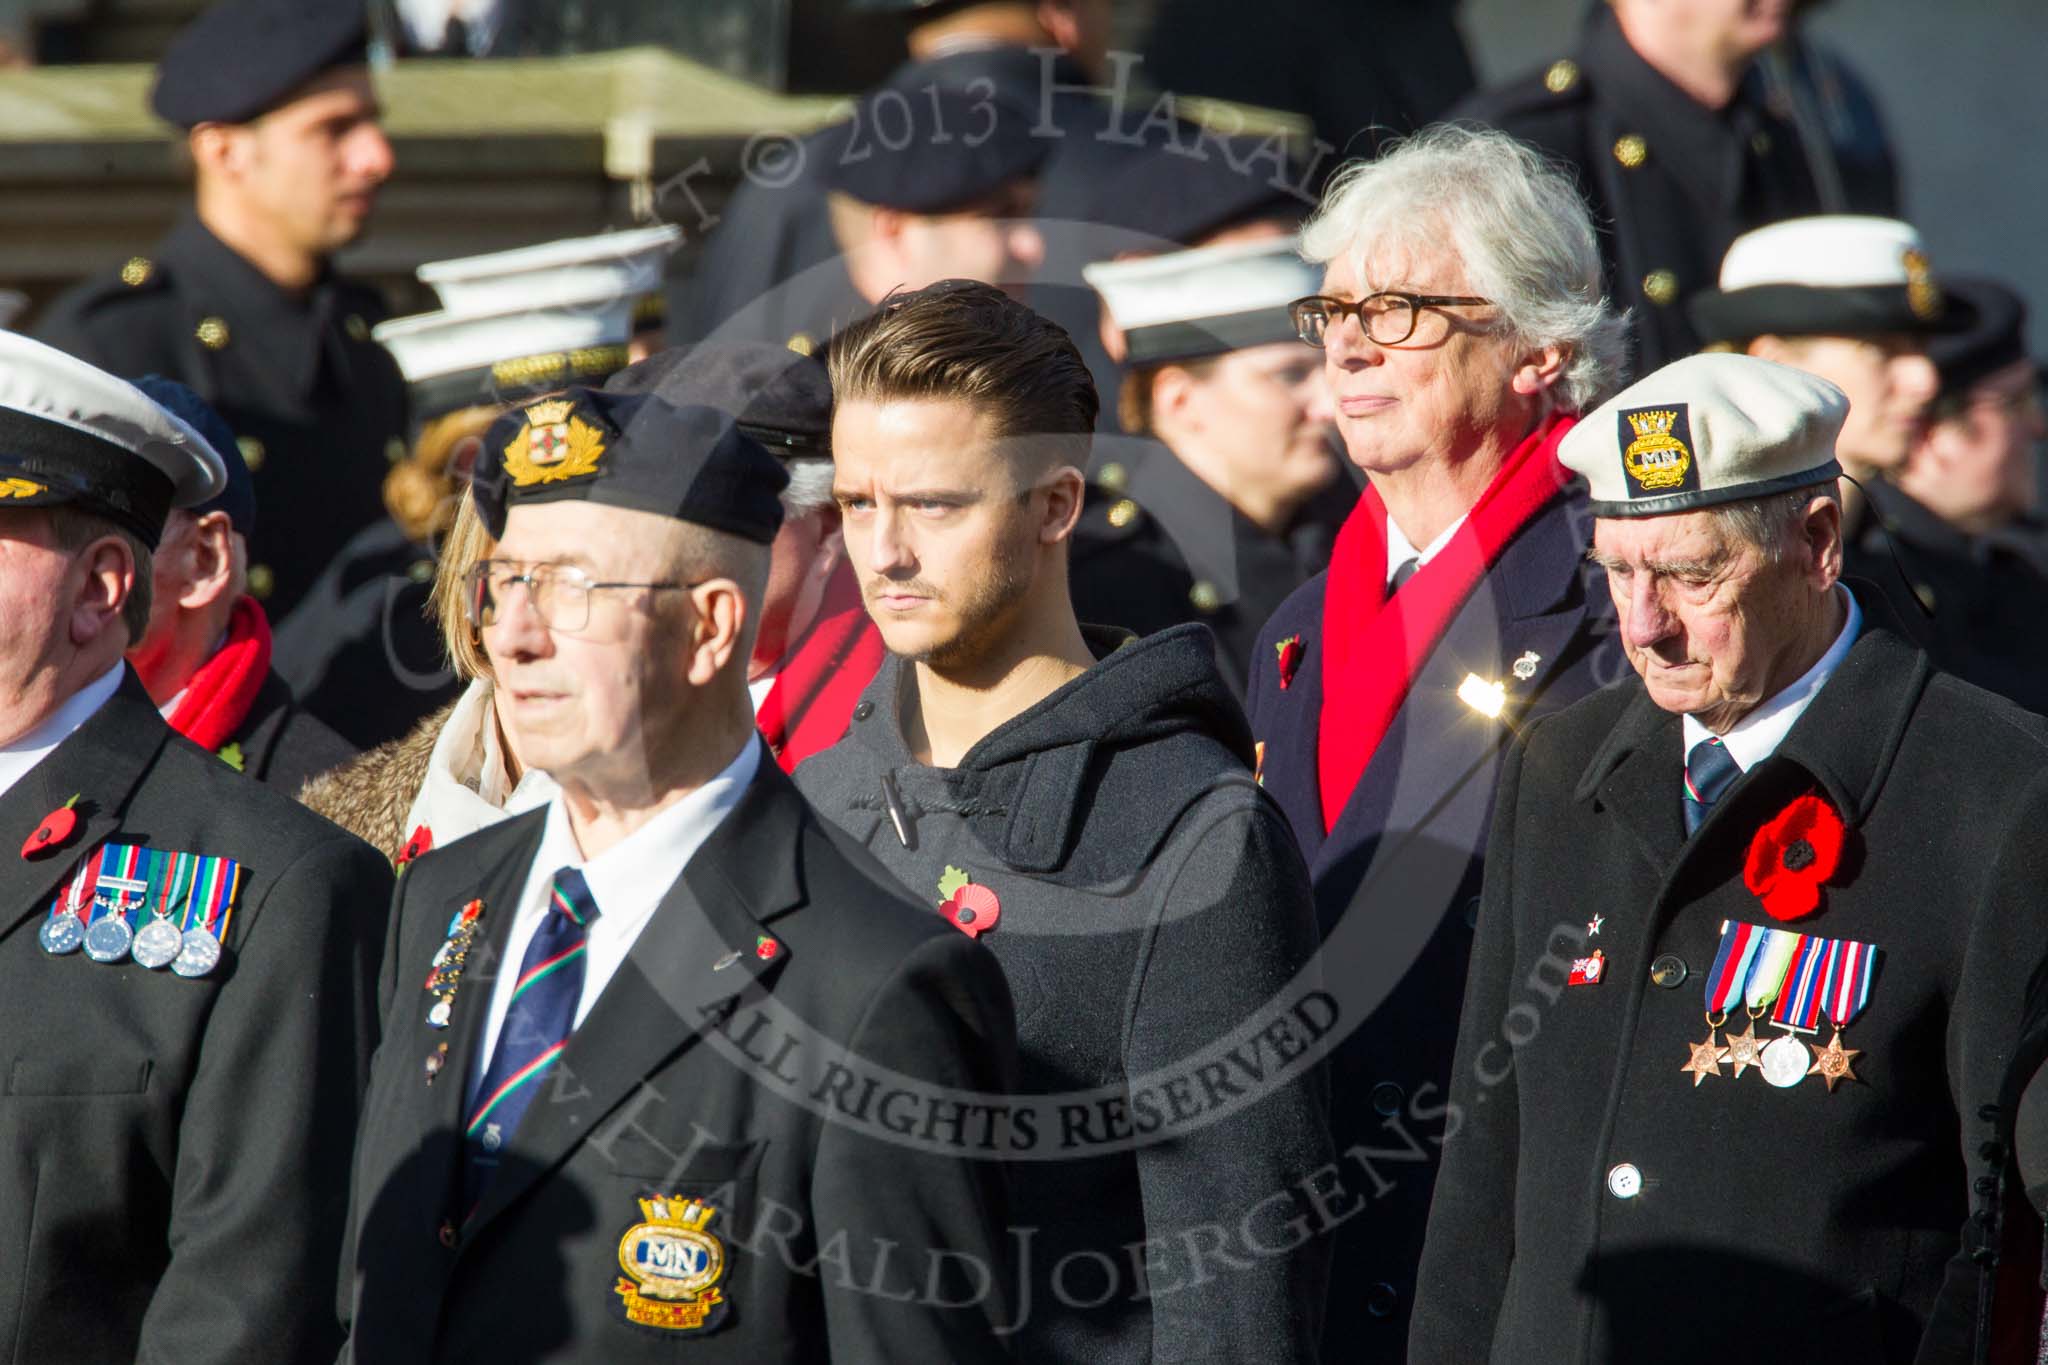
{"points": [[672, 1266], [21, 488], [1655, 458], [554, 445], [1923, 295]]}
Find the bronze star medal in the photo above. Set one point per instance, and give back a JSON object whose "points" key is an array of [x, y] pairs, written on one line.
{"points": [[1831, 1063], [1706, 1060], [1746, 1049]]}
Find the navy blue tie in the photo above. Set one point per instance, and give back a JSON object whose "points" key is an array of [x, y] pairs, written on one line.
{"points": [[536, 1029], [1709, 768], [1403, 571]]}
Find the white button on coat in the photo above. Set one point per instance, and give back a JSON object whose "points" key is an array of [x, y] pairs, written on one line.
{"points": [[1624, 1181]]}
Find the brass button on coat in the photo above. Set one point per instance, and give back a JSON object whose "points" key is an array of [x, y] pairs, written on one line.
{"points": [[1631, 151]]}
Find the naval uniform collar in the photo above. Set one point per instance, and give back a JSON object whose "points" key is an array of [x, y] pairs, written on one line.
{"points": [[284, 328], [1699, 144], [1912, 521]]}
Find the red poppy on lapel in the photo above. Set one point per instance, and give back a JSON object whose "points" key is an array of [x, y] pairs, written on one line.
{"points": [[1792, 855], [422, 841], [55, 831], [1290, 651]]}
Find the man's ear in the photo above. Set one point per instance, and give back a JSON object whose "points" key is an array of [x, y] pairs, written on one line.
{"points": [[107, 579], [1065, 490], [210, 561], [1822, 528], [220, 149], [715, 628]]}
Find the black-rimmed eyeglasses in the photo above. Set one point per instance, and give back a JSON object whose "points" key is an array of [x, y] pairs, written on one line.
{"points": [[1388, 317]]}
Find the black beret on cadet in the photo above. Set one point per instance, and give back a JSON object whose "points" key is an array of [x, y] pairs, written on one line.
{"points": [[780, 398], [630, 450], [1996, 339], [929, 151], [241, 58]]}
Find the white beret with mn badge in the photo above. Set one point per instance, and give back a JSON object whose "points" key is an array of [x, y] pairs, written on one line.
{"points": [[1706, 430]]}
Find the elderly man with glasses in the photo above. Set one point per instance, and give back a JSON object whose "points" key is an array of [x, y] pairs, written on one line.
{"points": [[614, 1027], [1462, 325]]}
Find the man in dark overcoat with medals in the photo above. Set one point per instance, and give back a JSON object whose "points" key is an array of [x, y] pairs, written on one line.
{"points": [[666, 1071], [186, 958], [1753, 944]]}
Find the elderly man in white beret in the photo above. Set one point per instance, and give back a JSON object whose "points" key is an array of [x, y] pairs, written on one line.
{"points": [[1753, 940]]}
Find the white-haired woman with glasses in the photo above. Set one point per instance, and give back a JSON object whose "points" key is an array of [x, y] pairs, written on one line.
{"points": [[1463, 327]]}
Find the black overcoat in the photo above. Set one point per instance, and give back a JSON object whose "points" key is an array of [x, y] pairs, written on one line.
{"points": [[703, 1070], [1397, 880], [1597, 1203], [178, 1148]]}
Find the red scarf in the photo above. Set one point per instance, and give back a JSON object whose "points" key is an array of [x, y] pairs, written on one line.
{"points": [[218, 698], [811, 703], [1372, 657]]}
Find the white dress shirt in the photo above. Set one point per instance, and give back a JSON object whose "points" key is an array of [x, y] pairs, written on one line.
{"points": [[627, 880], [1757, 734], [23, 754], [1400, 549]]}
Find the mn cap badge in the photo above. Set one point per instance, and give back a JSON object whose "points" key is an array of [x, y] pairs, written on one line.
{"points": [[672, 1267], [1656, 451]]}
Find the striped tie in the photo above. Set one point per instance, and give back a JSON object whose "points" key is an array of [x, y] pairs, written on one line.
{"points": [[1709, 769], [536, 1029]]}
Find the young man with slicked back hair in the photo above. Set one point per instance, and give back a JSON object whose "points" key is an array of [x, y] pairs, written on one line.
{"points": [[1081, 802]]}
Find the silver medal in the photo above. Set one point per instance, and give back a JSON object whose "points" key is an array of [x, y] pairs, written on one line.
{"points": [[438, 1016], [158, 944], [198, 951], [108, 939], [61, 934], [1785, 1061]]}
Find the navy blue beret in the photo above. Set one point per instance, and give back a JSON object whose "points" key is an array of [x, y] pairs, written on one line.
{"points": [[241, 58], [929, 151], [630, 450], [780, 398], [238, 499], [1188, 195]]}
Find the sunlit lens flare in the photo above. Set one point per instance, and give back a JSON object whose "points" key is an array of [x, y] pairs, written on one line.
{"points": [[1489, 699]]}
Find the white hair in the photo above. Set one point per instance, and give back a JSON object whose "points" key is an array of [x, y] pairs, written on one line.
{"points": [[1515, 222], [1776, 522], [810, 487]]}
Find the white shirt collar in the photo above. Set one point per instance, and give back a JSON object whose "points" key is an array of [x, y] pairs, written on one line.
{"points": [[1400, 549], [21, 756], [628, 880], [1757, 735]]}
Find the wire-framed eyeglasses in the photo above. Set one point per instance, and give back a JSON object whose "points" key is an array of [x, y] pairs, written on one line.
{"points": [[560, 593]]}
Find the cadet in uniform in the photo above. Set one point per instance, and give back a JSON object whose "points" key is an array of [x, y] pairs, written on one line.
{"points": [[628, 1148], [1755, 935], [1244, 468], [240, 302], [1675, 153], [185, 973]]}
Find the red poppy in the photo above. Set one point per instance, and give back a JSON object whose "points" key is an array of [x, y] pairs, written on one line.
{"points": [[1792, 855], [765, 947], [972, 909], [1290, 651], [55, 831], [422, 841]]}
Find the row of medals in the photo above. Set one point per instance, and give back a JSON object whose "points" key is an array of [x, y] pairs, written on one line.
{"points": [[446, 975], [1784, 1060], [159, 943]]}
